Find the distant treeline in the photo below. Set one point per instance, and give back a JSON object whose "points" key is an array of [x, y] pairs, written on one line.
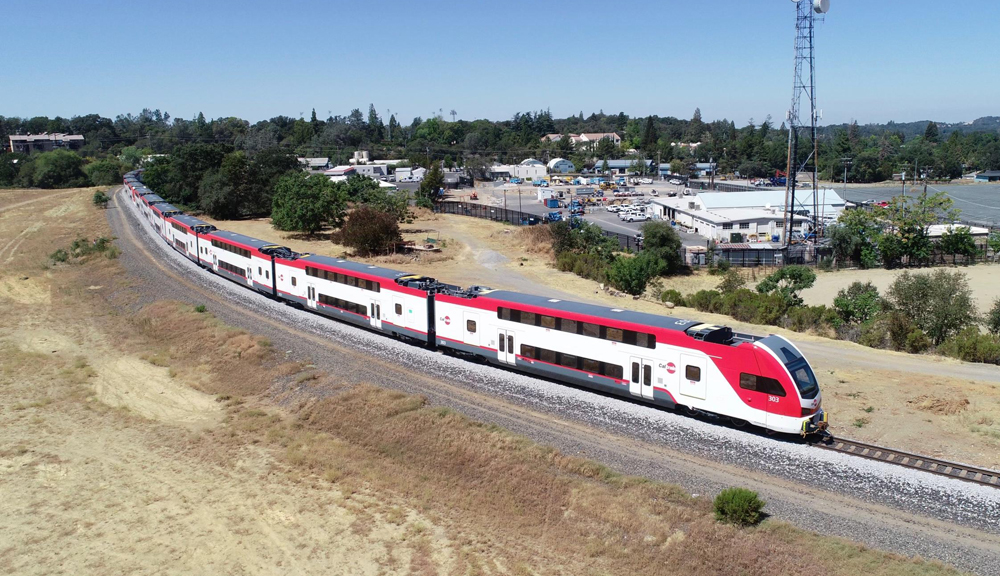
{"points": [[755, 150]]}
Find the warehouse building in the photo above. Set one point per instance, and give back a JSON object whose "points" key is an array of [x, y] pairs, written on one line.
{"points": [[44, 142], [625, 166], [560, 166]]}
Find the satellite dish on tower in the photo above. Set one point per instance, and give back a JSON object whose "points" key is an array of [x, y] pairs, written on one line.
{"points": [[821, 6]]}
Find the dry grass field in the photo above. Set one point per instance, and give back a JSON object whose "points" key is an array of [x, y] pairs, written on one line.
{"points": [[141, 437]]}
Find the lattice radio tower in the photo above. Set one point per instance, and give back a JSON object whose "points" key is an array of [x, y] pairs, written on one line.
{"points": [[804, 84]]}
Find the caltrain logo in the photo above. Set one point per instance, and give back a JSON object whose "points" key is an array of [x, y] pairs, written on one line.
{"points": [[671, 367], [447, 320]]}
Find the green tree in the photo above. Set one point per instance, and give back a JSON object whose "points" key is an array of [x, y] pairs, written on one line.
{"points": [[107, 172], [306, 203], [931, 132], [650, 137], [631, 274], [10, 167], [993, 318], [59, 169], [731, 281], [993, 242], [788, 282], [662, 244], [858, 303], [370, 232], [433, 182], [131, 156], [958, 241], [941, 303]]}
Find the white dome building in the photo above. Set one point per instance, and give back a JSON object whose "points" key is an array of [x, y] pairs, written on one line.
{"points": [[560, 166]]}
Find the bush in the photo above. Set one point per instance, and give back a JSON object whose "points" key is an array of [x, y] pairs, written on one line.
{"points": [[972, 346], [705, 301], [941, 304], [816, 318], [858, 303], [662, 245], [732, 280], [738, 506], [107, 172], [719, 267], [825, 264], [583, 265], [370, 232], [993, 318], [874, 334], [632, 274], [917, 341], [101, 199], [899, 328], [200, 308], [60, 255], [788, 281], [673, 296]]}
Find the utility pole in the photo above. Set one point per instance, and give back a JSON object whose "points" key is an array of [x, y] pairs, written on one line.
{"points": [[847, 162]]}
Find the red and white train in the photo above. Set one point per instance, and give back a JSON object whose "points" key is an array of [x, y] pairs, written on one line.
{"points": [[764, 381]]}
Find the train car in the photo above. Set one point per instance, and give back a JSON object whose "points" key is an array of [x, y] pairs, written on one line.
{"points": [[657, 359], [159, 214], [237, 258], [396, 303], [184, 234]]}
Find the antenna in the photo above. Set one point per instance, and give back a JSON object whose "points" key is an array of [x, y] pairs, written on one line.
{"points": [[803, 83]]}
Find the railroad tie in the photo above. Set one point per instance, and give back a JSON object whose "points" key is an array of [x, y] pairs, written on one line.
{"points": [[947, 469], [906, 460]]}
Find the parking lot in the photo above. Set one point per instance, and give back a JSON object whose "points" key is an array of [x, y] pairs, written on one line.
{"points": [[525, 199]]}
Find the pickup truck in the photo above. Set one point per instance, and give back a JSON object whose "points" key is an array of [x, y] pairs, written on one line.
{"points": [[552, 217]]}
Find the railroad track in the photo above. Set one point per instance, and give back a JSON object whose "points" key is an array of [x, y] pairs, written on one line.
{"points": [[914, 461]]}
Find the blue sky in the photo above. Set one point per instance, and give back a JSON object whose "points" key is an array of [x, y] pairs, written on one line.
{"points": [[877, 60]]}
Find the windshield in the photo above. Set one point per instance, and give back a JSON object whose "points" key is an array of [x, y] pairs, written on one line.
{"points": [[804, 378]]}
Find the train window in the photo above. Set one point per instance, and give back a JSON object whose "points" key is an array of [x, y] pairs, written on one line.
{"points": [[503, 313], [647, 375], [399, 309], [260, 272], [548, 321], [503, 343], [613, 334], [510, 344], [470, 325], [267, 275], [692, 373], [528, 318], [547, 356], [527, 351], [748, 381], [642, 339], [635, 372], [294, 281], [592, 330], [568, 360], [591, 366], [613, 371], [770, 386], [569, 326]]}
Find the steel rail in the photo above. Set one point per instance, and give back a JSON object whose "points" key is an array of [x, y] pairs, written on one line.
{"points": [[930, 464]]}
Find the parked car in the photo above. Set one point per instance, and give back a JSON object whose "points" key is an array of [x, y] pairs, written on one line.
{"points": [[654, 192], [638, 216]]}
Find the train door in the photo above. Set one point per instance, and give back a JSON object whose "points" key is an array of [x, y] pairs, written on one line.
{"points": [[311, 295], [641, 377], [375, 313], [505, 347], [694, 377], [471, 329]]}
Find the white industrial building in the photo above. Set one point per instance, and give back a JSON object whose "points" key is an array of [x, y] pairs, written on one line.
{"points": [[373, 170], [560, 166], [410, 174], [755, 216], [522, 171]]}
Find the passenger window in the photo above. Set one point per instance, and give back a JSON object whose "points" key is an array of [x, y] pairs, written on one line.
{"points": [[614, 371], [592, 330], [568, 326], [615, 335], [591, 366], [568, 360], [642, 339], [503, 343], [260, 272], [399, 309], [528, 318], [267, 275], [548, 356], [293, 281], [770, 386], [510, 344], [527, 351], [635, 372], [470, 325], [647, 374], [693, 373], [748, 381], [548, 322], [503, 313]]}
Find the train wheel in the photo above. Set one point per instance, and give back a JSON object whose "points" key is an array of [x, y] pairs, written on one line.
{"points": [[738, 422], [690, 411]]}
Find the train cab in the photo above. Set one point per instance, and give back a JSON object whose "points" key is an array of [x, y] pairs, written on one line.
{"points": [[794, 400]]}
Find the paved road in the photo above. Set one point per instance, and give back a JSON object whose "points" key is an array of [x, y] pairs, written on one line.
{"points": [[878, 504]]}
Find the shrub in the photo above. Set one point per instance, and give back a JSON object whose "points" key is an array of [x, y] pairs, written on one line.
{"points": [[583, 265], [874, 334], [972, 346], [60, 255], [993, 318], [825, 264], [804, 318], [858, 303], [899, 327], [674, 296], [101, 199], [370, 231], [705, 301], [941, 304], [738, 506], [200, 308], [732, 280], [662, 245], [917, 341], [719, 267], [632, 274]]}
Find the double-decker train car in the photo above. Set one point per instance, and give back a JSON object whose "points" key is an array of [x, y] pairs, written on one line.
{"points": [[669, 362], [665, 361]]}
